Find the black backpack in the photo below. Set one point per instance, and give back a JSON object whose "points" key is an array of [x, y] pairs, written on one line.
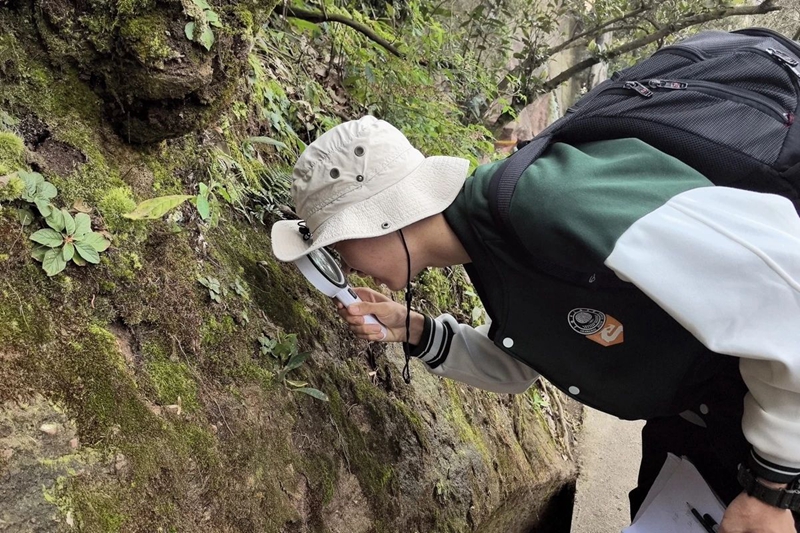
{"points": [[723, 103]]}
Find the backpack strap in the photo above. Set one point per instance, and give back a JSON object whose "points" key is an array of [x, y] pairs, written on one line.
{"points": [[504, 181], [501, 190]]}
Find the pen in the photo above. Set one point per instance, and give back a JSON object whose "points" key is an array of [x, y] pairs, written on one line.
{"points": [[700, 519], [711, 522]]}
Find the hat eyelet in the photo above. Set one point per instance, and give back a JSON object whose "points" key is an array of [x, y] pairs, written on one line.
{"points": [[359, 178], [335, 173], [385, 225], [359, 151]]}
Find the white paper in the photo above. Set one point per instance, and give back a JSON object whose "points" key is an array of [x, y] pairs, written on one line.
{"points": [[666, 508]]}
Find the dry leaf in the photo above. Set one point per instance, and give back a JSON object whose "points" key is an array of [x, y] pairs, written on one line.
{"points": [[81, 206]]}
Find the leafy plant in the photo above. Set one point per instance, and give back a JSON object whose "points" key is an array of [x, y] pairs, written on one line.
{"points": [[67, 239], [206, 200], [199, 30], [285, 351], [38, 191], [240, 289], [215, 290]]}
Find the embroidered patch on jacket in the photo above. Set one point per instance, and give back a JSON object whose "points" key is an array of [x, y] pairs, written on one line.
{"points": [[596, 326]]}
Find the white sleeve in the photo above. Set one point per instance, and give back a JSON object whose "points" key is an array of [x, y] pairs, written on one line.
{"points": [[725, 263], [466, 354]]}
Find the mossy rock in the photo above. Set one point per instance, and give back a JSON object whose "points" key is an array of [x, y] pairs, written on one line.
{"points": [[155, 82]]}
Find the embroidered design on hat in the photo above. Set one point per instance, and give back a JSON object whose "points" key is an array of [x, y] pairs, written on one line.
{"points": [[596, 326]]}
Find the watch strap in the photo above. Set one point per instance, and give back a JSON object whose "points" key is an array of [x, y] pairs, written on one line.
{"points": [[788, 498]]}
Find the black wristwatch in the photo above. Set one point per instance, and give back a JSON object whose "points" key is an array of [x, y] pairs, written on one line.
{"points": [[788, 498]]}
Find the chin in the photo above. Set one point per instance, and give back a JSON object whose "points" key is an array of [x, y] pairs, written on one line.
{"points": [[395, 286]]}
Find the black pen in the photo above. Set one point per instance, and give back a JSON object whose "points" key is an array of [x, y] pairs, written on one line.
{"points": [[700, 519], [711, 522]]}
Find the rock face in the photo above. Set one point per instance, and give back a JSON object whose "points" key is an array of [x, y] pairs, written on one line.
{"points": [[133, 398], [156, 84]]}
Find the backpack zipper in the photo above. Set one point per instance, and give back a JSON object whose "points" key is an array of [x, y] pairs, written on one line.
{"points": [[763, 32], [714, 89]]}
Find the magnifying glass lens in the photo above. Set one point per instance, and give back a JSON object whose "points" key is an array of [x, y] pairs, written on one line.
{"points": [[328, 267]]}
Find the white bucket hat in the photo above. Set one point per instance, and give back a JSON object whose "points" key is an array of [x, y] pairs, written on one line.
{"points": [[363, 179]]}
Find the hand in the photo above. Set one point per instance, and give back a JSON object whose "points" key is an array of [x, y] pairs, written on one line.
{"points": [[746, 514], [389, 313]]}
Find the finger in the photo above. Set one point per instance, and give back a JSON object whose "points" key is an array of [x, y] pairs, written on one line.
{"points": [[370, 295]]}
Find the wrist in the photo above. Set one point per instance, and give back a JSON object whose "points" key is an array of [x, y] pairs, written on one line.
{"points": [[416, 327], [771, 484]]}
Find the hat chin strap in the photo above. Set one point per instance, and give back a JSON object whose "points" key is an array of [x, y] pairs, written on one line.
{"points": [[409, 297]]}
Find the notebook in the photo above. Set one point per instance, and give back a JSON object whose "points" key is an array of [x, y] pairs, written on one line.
{"points": [[666, 507]]}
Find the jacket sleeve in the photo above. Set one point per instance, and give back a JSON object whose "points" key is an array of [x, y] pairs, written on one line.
{"points": [[725, 263], [466, 354]]}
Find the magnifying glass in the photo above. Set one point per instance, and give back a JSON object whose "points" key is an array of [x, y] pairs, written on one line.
{"points": [[323, 272]]}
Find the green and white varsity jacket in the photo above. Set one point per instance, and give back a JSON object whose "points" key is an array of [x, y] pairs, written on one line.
{"points": [[628, 282]]}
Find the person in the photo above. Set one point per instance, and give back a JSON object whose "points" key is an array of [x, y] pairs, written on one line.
{"points": [[627, 280]]}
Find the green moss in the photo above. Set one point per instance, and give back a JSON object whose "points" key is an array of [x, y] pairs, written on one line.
{"points": [[322, 472], [466, 432], [98, 511], [173, 383], [12, 151], [146, 37], [13, 188], [116, 202]]}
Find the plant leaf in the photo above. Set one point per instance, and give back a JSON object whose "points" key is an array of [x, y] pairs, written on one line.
{"points": [[83, 224], [156, 208], [48, 237], [202, 207], [189, 30], [202, 4], [212, 18], [296, 384], [24, 216], [53, 262], [87, 252], [44, 206], [39, 252], [56, 220], [318, 394], [81, 206], [46, 191], [69, 222], [203, 189], [78, 260], [296, 360], [207, 38], [95, 241], [266, 140], [32, 180], [68, 251]]}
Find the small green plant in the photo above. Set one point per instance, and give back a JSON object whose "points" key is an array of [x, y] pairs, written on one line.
{"points": [[199, 30], [240, 289], [67, 239], [215, 289], [285, 351], [38, 191]]}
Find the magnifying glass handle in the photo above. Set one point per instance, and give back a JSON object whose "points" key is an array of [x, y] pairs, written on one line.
{"points": [[348, 297]]}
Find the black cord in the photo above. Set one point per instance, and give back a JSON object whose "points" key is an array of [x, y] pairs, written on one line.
{"points": [[409, 296]]}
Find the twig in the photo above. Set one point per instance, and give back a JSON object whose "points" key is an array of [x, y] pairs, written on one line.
{"points": [[314, 16]]}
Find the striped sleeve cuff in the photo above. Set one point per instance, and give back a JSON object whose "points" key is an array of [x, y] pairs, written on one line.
{"points": [[434, 344], [770, 471]]}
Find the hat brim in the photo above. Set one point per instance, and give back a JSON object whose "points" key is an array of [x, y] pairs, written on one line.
{"points": [[426, 191]]}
